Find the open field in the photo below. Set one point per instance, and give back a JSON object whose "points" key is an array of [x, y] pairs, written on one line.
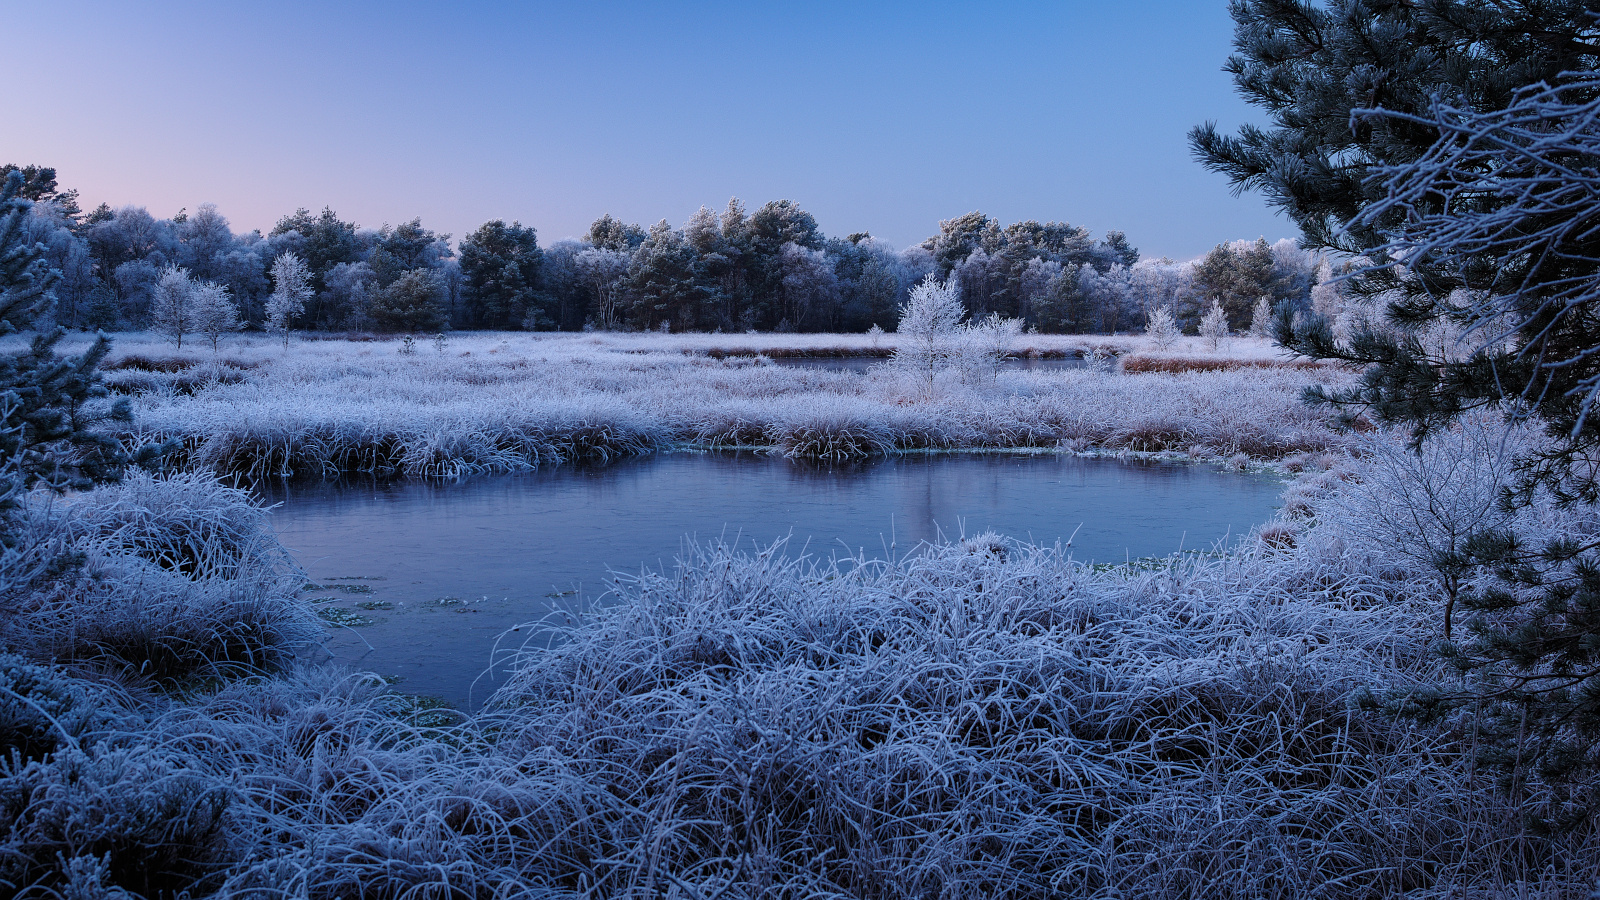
{"points": [[508, 402]]}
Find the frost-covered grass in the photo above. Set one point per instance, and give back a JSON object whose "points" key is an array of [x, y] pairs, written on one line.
{"points": [[508, 402], [153, 581], [981, 719]]}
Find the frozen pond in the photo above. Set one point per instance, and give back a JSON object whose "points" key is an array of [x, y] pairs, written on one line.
{"points": [[860, 364], [439, 574]]}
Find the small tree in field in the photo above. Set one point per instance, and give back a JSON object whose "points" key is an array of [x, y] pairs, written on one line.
{"points": [[930, 325], [1261, 318], [1161, 329], [171, 304], [1214, 325], [213, 312], [291, 280]]}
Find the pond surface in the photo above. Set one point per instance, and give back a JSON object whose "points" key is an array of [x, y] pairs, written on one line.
{"points": [[434, 577], [860, 364]]}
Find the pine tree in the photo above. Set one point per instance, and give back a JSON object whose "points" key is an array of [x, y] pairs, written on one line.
{"points": [[500, 267], [411, 303], [50, 423], [1442, 143]]}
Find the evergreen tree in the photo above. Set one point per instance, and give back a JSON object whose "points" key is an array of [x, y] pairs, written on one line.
{"points": [[1310, 68], [500, 267], [1236, 278], [410, 303], [1442, 142], [325, 241], [661, 281], [608, 233], [50, 423], [39, 185]]}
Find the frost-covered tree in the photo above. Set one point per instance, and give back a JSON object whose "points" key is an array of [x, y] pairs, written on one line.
{"points": [[608, 233], [171, 304], [349, 286], [985, 344], [604, 271], [410, 303], [204, 240], [1261, 318], [1453, 146], [500, 267], [1214, 325], [50, 428], [1235, 277], [291, 280], [809, 288], [212, 312], [1159, 283], [661, 284], [929, 328], [1161, 328]]}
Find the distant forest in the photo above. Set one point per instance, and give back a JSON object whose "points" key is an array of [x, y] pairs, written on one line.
{"points": [[767, 270]]}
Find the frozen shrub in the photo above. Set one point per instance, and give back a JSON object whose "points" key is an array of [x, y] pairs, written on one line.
{"points": [[145, 820], [153, 578], [42, 709], [187, 522], [1416, 508]]}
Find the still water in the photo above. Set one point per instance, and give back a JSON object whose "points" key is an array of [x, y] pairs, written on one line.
{"points": [[859, 364], [432, 578]]}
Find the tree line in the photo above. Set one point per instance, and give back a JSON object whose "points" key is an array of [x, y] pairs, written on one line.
{"points": [[768, 270]]}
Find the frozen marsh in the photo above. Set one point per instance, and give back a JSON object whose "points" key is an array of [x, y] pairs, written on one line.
{"points": [[983, 719], [480, 403], [986, 719]]}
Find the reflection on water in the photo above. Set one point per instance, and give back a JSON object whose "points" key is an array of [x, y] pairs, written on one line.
{"points": [[860, 364], [439, 573]]}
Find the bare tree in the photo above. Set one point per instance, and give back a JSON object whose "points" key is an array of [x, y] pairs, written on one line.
{"points": [[213, 312], [930, 327], [603, 272], [171, 304], [291, 280]]}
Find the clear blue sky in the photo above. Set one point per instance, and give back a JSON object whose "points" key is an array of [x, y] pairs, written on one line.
{"points": [[880, 117]]}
